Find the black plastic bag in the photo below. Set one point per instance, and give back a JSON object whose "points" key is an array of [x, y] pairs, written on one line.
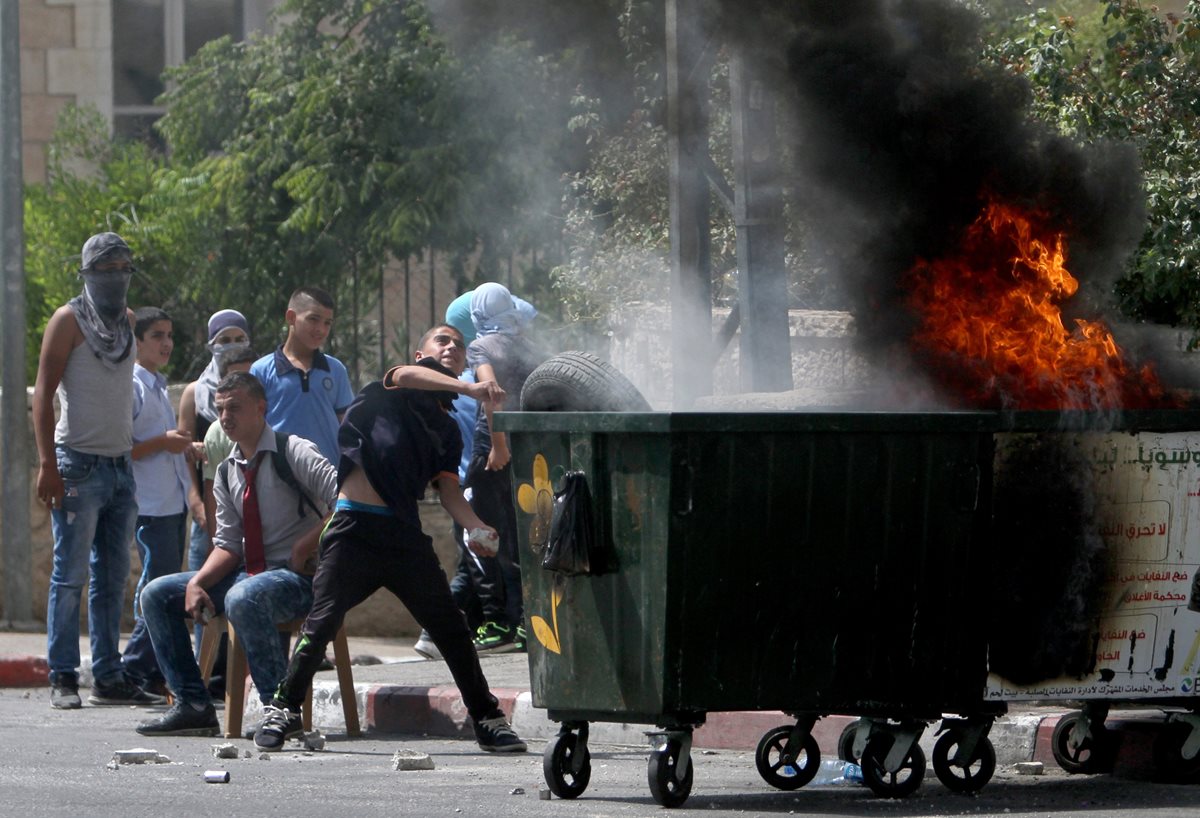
{"points": [[572, 532]]}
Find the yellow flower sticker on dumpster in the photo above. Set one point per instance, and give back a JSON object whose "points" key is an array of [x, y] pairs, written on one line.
{"points": [[547, 634], [537, 498]]}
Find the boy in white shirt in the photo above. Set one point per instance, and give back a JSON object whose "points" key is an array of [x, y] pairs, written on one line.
{"points": [[160, 471]]}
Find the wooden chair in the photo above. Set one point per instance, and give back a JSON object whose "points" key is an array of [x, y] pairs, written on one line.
{"points": [[236, 670]]}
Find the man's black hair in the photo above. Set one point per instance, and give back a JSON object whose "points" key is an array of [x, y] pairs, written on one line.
{"points": [[144, 317], [241, 380], [238, 356], [304, 296]]}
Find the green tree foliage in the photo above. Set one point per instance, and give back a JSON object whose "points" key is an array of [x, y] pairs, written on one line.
{"points": [[353, 135], [95, 184], [1131, 73]]}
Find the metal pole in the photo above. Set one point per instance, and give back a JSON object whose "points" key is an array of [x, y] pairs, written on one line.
{"points": [[766, 355], [688, 61], [407, 351], [382, 330], [14, 412], [432, 287]]}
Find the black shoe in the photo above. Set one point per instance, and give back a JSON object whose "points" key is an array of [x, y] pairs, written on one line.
{"points": [[496, 736], [121, 692], [277, 726], [183, 720], [216, 688], [492, 637], [64, 692]]}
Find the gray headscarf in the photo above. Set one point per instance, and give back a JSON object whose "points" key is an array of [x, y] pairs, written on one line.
{"points": [[100, 309]]}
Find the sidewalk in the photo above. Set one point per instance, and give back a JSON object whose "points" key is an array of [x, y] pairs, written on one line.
{"points": [[399, 692]]}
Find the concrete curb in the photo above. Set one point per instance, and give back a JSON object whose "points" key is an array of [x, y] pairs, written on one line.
{"points": [[24, 671], [439, 711]]}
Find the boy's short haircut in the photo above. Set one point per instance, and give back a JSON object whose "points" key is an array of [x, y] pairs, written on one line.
{"points": [[432, 331], [307, 297], [241, 380], [144, 317], [238, 356]]}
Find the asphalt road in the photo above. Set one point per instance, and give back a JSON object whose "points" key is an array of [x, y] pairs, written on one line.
{"points": [[55, 763]]}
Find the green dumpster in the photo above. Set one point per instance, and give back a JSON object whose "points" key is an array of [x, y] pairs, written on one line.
{"points": [[812, 563]]}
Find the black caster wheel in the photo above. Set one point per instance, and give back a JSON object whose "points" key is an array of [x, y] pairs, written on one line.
{"points": [[845, 743], [1169, 762], [558, 766], [780, 771], [666, 789], [974, 775], [1092, 755], [900, 784]]}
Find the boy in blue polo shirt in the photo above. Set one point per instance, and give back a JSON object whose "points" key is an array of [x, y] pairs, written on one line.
{"points": [[307, 390]]}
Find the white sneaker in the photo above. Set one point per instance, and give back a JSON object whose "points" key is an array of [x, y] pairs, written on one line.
{"points": [[426, 648]]}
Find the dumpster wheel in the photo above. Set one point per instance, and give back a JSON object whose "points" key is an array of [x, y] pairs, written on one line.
{"points": [[666, 788], [567, 765], [963, 779], [845, 743], [899, 784], [781, 771], [1091, 754], [1169, 759]]}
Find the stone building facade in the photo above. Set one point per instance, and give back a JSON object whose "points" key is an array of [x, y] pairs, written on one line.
{"points": [[109, 54]]}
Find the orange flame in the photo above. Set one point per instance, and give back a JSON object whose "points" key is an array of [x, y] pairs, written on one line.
{"points": [[991, 325]]}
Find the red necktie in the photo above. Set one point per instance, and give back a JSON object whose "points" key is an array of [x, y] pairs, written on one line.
{"points": [[256, 561]]}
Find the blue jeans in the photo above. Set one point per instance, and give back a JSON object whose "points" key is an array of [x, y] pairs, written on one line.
{"points": [[255, 605], [198, 548], [92, 532], [160, 545]]}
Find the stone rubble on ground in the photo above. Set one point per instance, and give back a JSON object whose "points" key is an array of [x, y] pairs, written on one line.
{"points": [[405, 760], [139, 755], [313, 740], [225, 751], [1029, 768]]}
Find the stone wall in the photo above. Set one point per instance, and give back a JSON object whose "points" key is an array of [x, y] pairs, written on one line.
{"points": [[824, 361]]}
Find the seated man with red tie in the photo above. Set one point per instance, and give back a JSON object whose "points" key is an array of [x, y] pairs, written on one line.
{"points": [[273, 494]]}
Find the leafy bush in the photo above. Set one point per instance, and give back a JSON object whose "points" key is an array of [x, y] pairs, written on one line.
{"points": [[1126, 72]]}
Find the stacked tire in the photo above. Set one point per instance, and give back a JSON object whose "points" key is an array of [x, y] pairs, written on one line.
{"points": [[580, 382]]}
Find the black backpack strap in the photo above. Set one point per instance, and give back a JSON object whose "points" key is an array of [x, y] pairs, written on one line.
{"points": [[283, 469], [223, 474]]}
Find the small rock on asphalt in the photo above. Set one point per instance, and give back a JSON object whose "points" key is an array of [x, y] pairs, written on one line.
{"points": [[139, 755], [517, 791], [404, 760], [1028, 768], [314, 740], [225, 751]]}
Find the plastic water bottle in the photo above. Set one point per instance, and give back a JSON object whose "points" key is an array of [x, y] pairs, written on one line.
{"points": [[835, 772]]}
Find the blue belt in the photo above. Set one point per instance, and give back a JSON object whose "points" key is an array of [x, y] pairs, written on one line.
{"points": [[367, 508]]}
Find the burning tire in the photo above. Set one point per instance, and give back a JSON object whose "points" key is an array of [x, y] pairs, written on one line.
{"points": [[580, 382]]}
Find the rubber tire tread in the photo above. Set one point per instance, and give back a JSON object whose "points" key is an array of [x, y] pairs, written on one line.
{"points": [[580, 382]]}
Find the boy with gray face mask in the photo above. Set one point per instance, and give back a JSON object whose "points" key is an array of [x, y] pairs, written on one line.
{"points": [[85, 473]]}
